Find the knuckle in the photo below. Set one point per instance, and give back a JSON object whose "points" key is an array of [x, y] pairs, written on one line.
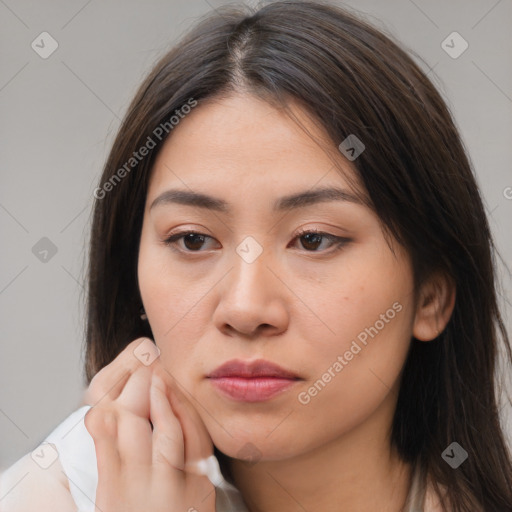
{"points": [[101, 422]]}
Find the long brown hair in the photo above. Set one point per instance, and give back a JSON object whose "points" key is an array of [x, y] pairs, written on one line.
{"points": [[352, 79]]}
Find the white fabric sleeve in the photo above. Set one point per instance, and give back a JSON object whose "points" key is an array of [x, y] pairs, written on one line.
{"points": [[78, 458]]}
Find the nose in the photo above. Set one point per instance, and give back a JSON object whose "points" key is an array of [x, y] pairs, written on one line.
{"points": [[253, 301]]}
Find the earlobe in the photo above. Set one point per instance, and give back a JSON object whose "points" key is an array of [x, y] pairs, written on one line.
{"points": [[435, 307]]}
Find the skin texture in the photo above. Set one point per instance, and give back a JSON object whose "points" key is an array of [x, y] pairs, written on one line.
{"points": [[300, 304]]}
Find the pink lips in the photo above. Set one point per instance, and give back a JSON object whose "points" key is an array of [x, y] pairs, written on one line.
{"points": [[256, 381]]}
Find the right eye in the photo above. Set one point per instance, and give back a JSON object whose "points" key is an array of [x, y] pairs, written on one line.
{"points": [[192, 241]]}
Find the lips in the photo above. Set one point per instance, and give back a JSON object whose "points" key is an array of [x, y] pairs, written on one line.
{"points": [[259, 368], [254, 381]]}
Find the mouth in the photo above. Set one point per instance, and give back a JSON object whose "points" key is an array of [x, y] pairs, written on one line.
{"points": [[254, 381]]}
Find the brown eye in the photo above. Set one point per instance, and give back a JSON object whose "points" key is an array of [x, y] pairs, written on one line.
{"points": [[192, 241], [312, 241]]}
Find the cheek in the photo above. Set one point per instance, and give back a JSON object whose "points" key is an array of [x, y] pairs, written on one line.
{"points": [[170, 302], [168, 293], [357, 366], [367, 313], [366, 298]]}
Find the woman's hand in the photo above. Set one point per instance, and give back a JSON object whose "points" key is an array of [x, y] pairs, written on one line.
{"points": [[148, 438]]}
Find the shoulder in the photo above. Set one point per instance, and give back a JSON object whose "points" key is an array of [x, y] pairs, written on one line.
{"points": [[26, 486]]}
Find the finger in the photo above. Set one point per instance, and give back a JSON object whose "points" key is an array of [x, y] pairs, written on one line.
{"points": [[110, 380], [135, 395], [168, 447], [102, 425], [134, 443], [197, 440]]}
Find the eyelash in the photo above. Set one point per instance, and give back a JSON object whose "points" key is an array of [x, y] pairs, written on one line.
{"points": [[338, 242]]}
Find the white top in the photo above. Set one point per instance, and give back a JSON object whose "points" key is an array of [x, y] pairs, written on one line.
{"points": [[72, 445]]}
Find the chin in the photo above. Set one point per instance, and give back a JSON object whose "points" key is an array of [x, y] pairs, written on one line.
{"points": [[254, 446]]}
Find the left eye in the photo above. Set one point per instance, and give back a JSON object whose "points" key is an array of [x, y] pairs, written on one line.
{"points": [[310, 240]]}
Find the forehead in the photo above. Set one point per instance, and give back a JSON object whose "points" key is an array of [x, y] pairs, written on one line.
{"points": [[242, 139]]}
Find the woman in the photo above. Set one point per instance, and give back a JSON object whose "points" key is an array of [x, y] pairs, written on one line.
{"points": [[290, 268]]}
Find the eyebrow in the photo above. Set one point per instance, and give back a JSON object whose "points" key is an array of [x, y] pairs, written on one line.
{"points": [[286, 203]]}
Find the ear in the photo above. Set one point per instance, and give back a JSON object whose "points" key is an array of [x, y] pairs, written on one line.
{"points": [[434, 308]]}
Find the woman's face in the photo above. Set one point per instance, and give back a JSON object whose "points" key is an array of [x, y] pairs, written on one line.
{"points": [[335, 310]]}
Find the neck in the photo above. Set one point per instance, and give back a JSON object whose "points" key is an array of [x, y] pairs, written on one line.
{"points": [[357, 471]]}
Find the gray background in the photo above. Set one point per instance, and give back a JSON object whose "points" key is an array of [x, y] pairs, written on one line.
{"points": [[58, 119]]}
